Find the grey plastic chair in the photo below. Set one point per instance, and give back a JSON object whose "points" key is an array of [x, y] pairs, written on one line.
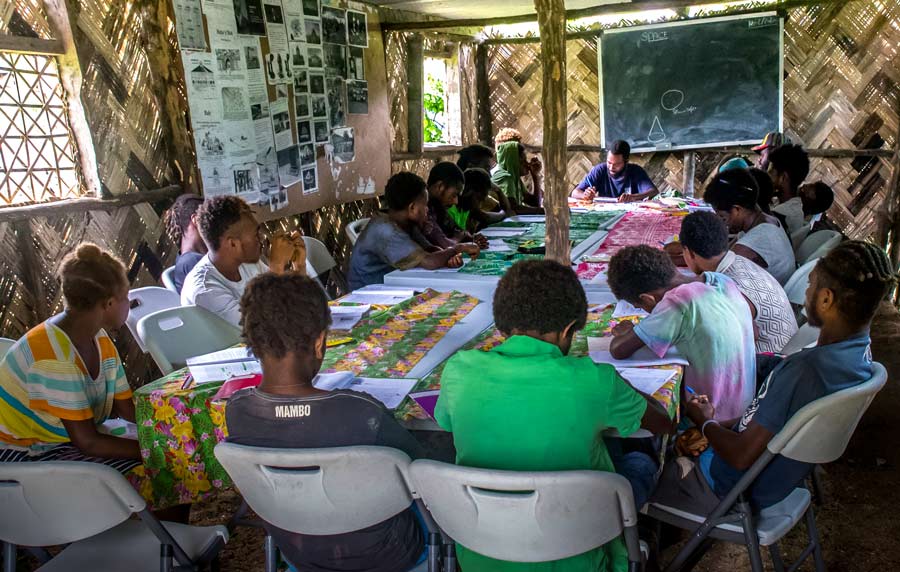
{"points": [[817, 433], [799, 235], [174, 335], [823, 239], [5, 344], [806, 337], [355, 228], [796, 286], [167, 280], [529, 516], [88, 506], [322, 491], [145, 301]]}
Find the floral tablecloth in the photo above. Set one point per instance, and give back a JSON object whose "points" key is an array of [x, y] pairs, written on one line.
{"points": [[179, 427]]}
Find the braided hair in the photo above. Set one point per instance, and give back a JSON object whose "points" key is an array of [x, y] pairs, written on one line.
{"points": [[178, 217], [860, 275]]}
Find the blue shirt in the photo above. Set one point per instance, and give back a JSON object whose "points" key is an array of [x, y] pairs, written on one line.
{"points": [[382, 248], [183, 266], [798, 380], [632, 180]]}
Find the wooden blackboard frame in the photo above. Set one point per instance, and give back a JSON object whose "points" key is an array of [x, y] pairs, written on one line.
{"points": [[681, 23]]}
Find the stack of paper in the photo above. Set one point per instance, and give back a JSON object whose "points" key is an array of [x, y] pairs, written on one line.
{"points": [[381, 297], [623, 309], [346, 317], [598, 349], [503, 232], [223, 365], [388, 391]]}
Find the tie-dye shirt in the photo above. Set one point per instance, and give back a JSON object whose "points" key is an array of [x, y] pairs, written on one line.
{"points": [[711, 326]]}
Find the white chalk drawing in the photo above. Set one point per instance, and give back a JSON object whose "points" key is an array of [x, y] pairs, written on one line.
{"points": [[656, 135], [672, 99]]}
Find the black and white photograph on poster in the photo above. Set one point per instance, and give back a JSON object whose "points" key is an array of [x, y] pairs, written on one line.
{"points": [[259, 110], [281, 91], [289, 165], [337, 102], [314, 57], [211, 144], [317, 83], [252, 57], [278, 200], [309, 180], [294, 16], [281, 124], [335, 60], [301, 83], [319, 107], [307, 155], [189, 25], [246, 181], [358, 97], [267, 165], [248, 15], [343, 144], [334, 26], [278, 68], [357, 29], [356, 64], [234, 104], [298, 55], [321, 130], [217, 180], [313, 31], [201, 80], [229, 66], [304, 131], [311, 8], [276, 31], [301, 106], [240, 143], [221, 25]]}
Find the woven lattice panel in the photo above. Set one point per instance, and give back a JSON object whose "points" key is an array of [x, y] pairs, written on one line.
{"points": [[395, 58]]}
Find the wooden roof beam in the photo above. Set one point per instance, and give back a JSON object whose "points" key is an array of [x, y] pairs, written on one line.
{"points": [[28, 45]]}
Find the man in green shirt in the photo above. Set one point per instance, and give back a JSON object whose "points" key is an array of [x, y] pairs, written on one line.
{"points": [[527, 406]]}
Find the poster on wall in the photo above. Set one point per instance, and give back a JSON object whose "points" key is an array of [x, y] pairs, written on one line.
{"points": [[293, 14], [314, 57], [230, 65], [289, 165], [248, 17], [342, 140], [278, 68], [319, 107], [246, 181], [358, 97], [313, 31], [357, 29], [235, 106], [307, 155], [281, 124], [301, 107], [311, 8], [320, 128], [220, 22], [189, 25], [298, 55], [335, 60], [275, 30], [304, 132], [334, 26], [337, 102], [356, 65], [310, 182]]}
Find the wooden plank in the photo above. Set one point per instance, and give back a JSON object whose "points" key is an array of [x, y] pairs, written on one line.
{"points": [[552, 24], [431, 153], [26, 45], [66, 207], [690, 168], [483, 95], [415, 77]]}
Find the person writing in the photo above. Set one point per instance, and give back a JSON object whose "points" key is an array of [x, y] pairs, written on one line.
{"points": [[468, 213], [616, 178], [445, 183]]}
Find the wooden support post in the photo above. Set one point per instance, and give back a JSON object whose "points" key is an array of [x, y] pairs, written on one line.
{"points": [[483, 95], [690, 168], [887, 234], [70, 77], [552, 24], [415, 92]]}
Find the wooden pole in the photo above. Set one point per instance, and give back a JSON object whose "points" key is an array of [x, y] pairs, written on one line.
{"points": [[70, 77], [483, 95], [69, 206], [690, 169], [552, 24], [415, 77]]}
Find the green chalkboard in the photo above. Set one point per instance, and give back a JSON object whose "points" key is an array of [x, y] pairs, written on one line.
{"points": [[686, 85]]}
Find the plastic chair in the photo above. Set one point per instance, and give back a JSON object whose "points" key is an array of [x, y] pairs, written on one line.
{"points": [[167, 279], [807, 336], [355, 228], [529, 516], [817, 433], [174, 335], [89, 505], [322, 491], [823, 239], [799, 235], [5, 344], [145, 301], [317, 257], [796, 286]]}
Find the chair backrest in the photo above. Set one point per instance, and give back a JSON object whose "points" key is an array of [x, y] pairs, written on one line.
{"points": [[167, 280], [799, 235], [320, 491], [806, 336], [796, 286], [355, 228], [814, 241], [317, 257], [5, 344], [525, 516], [145, 301], [57, 502], [819, 432], [176, 334], [826, 248]]}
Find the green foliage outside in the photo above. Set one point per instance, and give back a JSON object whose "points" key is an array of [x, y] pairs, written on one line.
{"points": [[435, 120]]}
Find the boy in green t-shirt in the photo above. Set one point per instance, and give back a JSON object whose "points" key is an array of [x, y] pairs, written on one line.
{"points": [[528, 406]]}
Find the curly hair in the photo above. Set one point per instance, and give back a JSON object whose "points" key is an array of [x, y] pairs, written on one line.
{"points": [[704, 233], [90, 275], [766, 189], [620, 147], [793, 160], [216, 215], [860, 275], [734, 188], [636, 270], [283, 313], [540, 295], [402, 190], [506, 135], [472, 155], [178, 217], [447, 173]]}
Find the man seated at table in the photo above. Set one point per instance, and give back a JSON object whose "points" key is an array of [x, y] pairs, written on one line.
{"points": [[285, 323], [846, 287], [480, 156], [232, 235], [393, 240], [181, 225], [467, 213], [788, 167], [705, 317], [528, 406], [704, 240], [512, 163], [445, 183], [616, 178]]}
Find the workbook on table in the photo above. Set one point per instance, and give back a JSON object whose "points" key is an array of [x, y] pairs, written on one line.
{"points": [[388, 391], [346, 317], [223, 365], [598, 349]]}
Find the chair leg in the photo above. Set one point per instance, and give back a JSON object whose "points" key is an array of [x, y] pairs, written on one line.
{"points": [[434, 552], [450, 557], [9, 557], [777, 561], [813, 533], [165, 557], [817, 485], [271, 554], [750, 537]]}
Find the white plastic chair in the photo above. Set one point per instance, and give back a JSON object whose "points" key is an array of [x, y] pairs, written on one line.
{"points": [[176, 334], [167, 280], [818, 433], [796, 286], [529, 516], [145, 301], [318, 259], [799, 235], [88, 506], [820, 240], [320, 491], [806, 337], [5, 344], [355, 228]]}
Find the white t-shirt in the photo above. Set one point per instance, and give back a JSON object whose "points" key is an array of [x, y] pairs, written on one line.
{"points": [[208, 288], [792, 211], [771, 243]]}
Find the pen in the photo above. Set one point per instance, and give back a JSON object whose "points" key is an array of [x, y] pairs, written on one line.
{"points": [[188, 379], [689, 390]]}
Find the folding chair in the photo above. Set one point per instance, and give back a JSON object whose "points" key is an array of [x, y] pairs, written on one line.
{"points": [[5, 344], [823, 238], [355, 228], [88, 506], [323, 491], [817, 433], [528, 516], [145, 301], [174, 335]]}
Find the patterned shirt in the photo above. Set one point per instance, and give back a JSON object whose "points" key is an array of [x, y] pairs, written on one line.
{"points": [[44, 381], [775, 319]]}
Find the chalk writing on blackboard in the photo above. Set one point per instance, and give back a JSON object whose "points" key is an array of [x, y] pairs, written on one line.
{"points": [[763, 22], [652, 36], [672, 99], [656, 135]]}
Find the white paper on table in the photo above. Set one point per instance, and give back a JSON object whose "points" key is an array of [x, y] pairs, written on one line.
{"points": [[598, 349], [346, 317], [382, 297], [623, 309], [497, 245], [528, 218], [208, 373], [332, 381], [646, 381], [388, 391], [606, 200], [119, 428], [503, 232], [241, 353]]}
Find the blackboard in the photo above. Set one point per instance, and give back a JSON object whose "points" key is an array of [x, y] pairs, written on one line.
{"points": [[688, 85]]}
